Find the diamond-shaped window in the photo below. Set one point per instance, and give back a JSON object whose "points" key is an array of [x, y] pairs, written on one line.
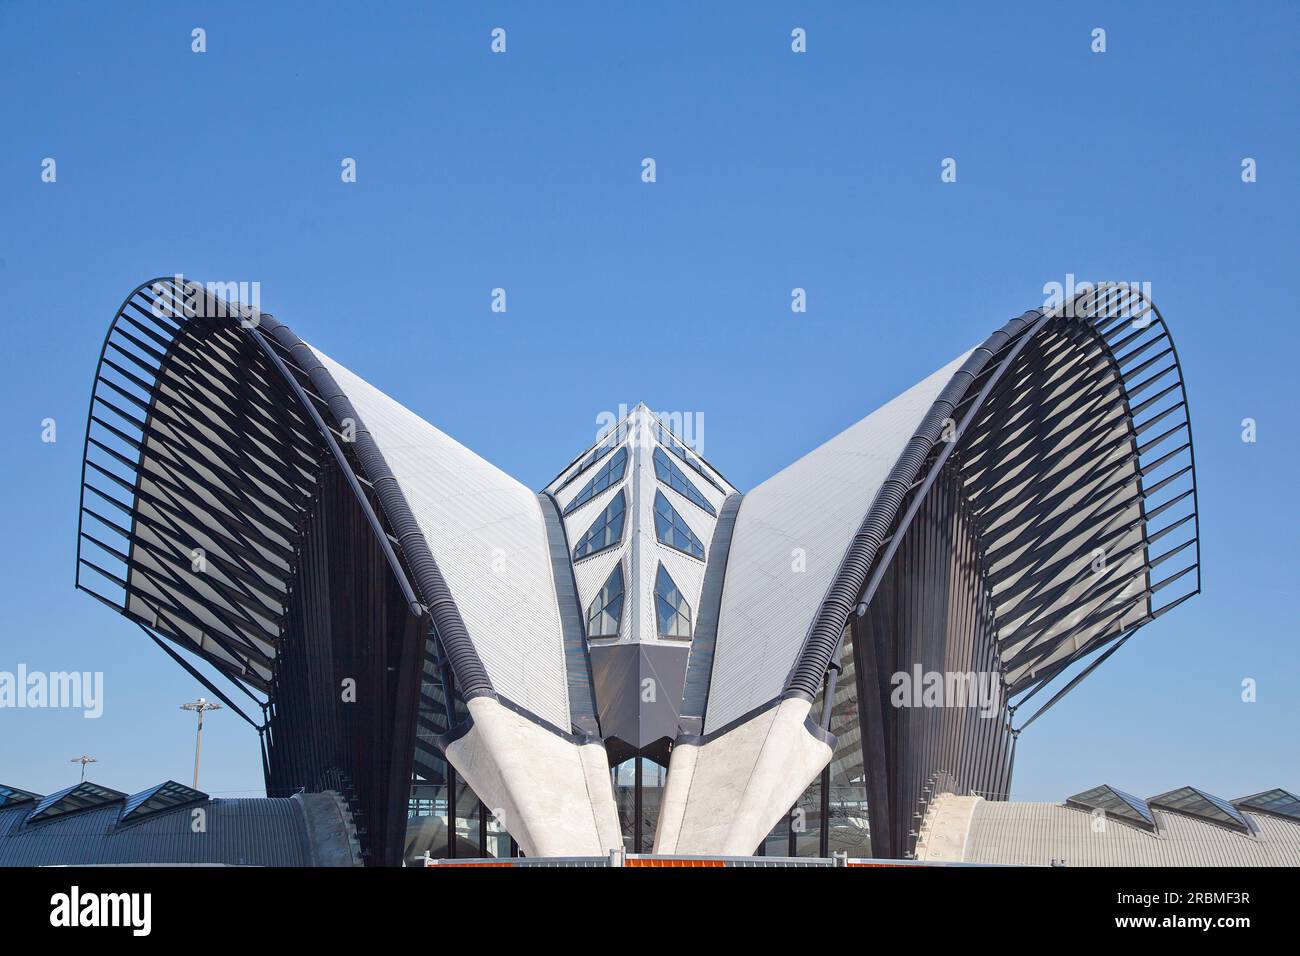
{"points": [[611, 473], [606, 531], [671, 529], [669, 440], [606, 611], [596, 454], [672, 476], [671, 610]]}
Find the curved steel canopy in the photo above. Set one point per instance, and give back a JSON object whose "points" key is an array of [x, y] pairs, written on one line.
{"points": [[1121, 371], [206, 433]]}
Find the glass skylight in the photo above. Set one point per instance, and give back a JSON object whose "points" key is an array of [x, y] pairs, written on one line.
{"points": [[606, 611], [607, 531], [672, 530], [11, 796], [1116, 803], [672, 476], [165, 796], [611, 473], [82, 796], [671, 609], [1198, 803], [1279, 802]]}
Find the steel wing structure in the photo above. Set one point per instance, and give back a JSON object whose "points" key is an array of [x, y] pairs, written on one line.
{"points": [[639, 655]]}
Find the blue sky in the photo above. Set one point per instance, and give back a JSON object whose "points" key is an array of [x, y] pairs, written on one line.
{"points": [[774, 171]]}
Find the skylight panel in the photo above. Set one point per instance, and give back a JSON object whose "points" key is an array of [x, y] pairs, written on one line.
{"points": [[1198, 803], [82, 796], [166, 796], [12, 796], [1115, 803], [1279, 802]]}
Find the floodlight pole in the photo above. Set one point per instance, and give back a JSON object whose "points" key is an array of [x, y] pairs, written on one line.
{"points": [[199, 706], [83, 760]]}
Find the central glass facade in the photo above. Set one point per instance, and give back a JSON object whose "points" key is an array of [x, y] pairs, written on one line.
{"points": [[446, 819], [638, 791]]}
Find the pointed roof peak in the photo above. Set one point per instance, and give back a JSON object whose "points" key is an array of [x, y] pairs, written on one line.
{"points": [[678, 432]]}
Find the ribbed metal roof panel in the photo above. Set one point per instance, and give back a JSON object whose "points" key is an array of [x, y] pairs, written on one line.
{"points": [[242, 832], [815, 504], [487, 533], [1035, 834]]}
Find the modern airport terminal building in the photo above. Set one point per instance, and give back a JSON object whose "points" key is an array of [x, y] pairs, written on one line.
{"points": [[640, 656]]}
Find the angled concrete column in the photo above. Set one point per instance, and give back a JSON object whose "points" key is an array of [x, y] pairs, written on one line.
{"points": [[553, 794], [725, 794]]}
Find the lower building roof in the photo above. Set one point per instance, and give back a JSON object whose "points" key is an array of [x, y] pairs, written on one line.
{"points": [[970, 829], [307, 829]]}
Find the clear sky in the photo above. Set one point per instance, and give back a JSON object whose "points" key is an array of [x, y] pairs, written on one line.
{"points": [[775, 170]]}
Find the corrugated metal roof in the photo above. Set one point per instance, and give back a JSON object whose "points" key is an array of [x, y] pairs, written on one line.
{"points": [[487, 533], [241, 832], [815, 504], [1035, 834]]}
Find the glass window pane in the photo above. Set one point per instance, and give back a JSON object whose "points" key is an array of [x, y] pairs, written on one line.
{"points": [[606, 531], [605, 613], [672, 612], [671, 529], [672, 476]]}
